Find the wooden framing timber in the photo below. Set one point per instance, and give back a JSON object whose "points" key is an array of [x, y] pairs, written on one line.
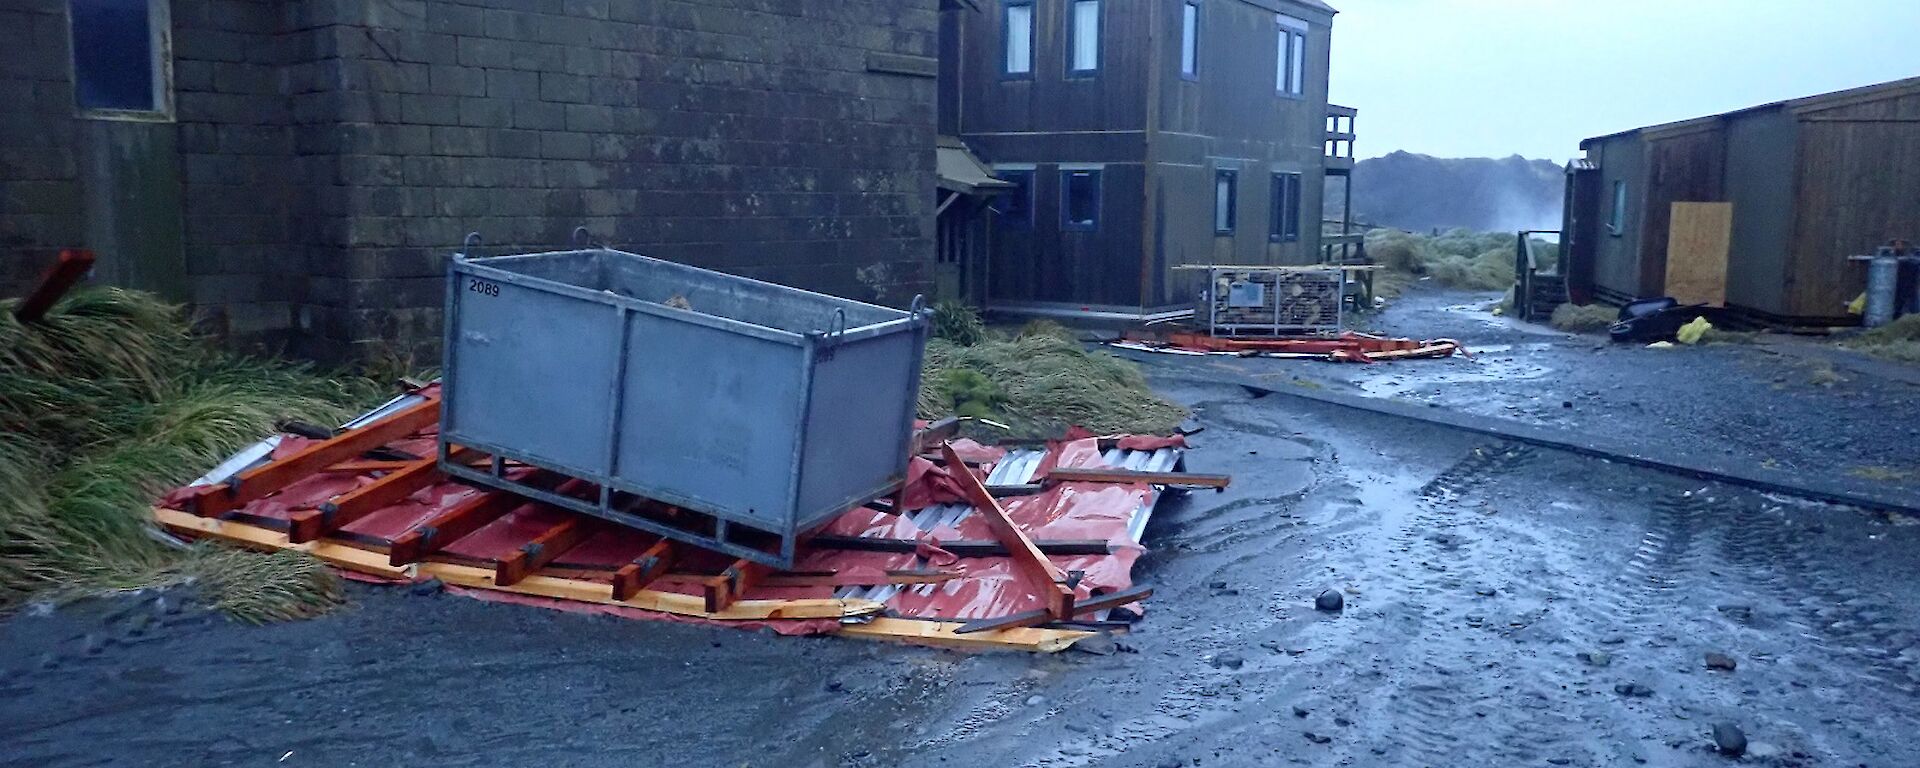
{"points": [[940, 634], [538, 585], [259, 482], [463, 518], [1176, 479], [650, 565], [1038, 617], [266, 539], [360, 502], [534, 555], [1042, 575], [723, 590], [648, 600]]}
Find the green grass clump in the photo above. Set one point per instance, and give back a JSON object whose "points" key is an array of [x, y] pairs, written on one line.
{"points": [[105, 405], [1591, 318], [957, 323], [1041, 383], [1898, 341]]}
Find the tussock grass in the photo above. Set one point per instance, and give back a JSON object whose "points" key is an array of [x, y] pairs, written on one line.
{"points": [[1040, 382], [106, 405], [1898, 341], [1592, 318], [1481, 261]]}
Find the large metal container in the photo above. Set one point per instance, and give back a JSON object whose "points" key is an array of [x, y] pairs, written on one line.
{"points": [[750, 404]]}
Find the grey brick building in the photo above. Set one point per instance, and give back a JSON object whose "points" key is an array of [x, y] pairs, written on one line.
{"points": [[298, 170]]}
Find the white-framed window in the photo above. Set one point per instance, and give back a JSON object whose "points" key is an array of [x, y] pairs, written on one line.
{"points": [[122, 58], [1290, 56], [1083, 37], [1018, 33], [1190, 39]]}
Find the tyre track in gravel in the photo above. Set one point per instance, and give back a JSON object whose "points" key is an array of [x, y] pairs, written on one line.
{"points": [[1432, 687], [1237, 537]]}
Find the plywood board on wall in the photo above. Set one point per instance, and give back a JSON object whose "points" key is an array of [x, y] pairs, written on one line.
{"points": [[1697, 245]]}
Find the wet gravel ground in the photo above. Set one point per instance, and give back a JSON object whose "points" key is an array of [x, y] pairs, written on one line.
{"points": [[1503, 606], [1742, 401]]}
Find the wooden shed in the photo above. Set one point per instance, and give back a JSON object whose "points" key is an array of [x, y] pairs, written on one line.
{"points": [[1756, 210]]}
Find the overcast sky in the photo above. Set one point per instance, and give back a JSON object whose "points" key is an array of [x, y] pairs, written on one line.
{"points": [[1491, 78]]}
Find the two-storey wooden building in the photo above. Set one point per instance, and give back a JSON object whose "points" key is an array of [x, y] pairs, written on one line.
{"points": [[1140, 135]]}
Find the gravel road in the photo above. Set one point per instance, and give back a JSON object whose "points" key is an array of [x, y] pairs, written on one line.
{"points": [[1503, 606]]}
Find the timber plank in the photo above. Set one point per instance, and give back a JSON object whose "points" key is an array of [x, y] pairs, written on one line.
{"points": [[1046, 579]]}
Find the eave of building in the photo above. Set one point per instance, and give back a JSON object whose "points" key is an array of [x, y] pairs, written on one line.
{"points": [[1826, 101]]}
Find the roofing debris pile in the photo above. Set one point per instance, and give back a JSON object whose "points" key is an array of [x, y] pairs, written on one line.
{"points": [[371, 501], [1347, 347]]}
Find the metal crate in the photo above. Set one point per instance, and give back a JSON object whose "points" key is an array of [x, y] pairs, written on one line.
{"points": [[1271, 301], [756, 411]]}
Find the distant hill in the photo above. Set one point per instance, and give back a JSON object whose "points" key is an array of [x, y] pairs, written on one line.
{"points": [[1422, 193]]}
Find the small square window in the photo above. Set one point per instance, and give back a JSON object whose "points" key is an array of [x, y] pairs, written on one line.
{"points": [[1016, 205], [1225, 199], [119, 56], [1079, 199]]}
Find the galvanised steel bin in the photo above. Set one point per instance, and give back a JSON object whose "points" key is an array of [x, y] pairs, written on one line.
{"points": [[753, 405]]}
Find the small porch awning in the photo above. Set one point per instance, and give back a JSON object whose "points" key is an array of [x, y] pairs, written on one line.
{"points": [[962, 173]]}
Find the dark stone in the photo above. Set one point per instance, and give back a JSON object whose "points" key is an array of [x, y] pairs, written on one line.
{"points": [[835, 686], [428, 587], [1299, 711], [1728, 738], [1342, 722], [1316, 738], [1216, 585], [1721, 661], [1636, 690], [1486, 590], [1098, 645], [1228, 661], [1331, 601], [1566, 403], [1595, 658], [138, 624]]}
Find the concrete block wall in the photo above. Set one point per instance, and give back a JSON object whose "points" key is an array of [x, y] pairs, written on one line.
{"points": [[331, 153], [747, 136], [40, 200]]}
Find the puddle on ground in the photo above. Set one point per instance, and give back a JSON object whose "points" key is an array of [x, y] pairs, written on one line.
{"points": [[1483, 312], [1494, 362]]}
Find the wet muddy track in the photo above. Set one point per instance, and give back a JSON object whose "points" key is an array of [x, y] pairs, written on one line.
{"points": [[1496, 595]]}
